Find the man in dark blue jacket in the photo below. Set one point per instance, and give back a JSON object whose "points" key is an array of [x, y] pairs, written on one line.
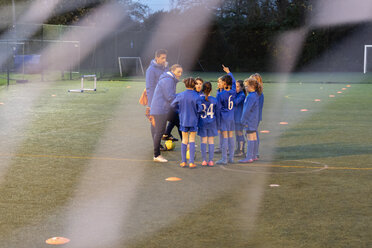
{"points": [[165, 93], [158, 66]]}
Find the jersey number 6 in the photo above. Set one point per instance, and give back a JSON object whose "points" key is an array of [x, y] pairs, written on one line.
{"points": [[231, 103]]}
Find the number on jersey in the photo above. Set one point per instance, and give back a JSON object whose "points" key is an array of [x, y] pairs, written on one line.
{"points": [[207, 112], [231, 103]]}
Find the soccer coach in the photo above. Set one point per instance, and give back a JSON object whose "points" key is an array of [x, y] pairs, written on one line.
{"points": [[158, 66]]}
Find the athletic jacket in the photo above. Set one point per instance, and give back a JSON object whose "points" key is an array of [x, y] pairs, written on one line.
{"points": [[189, 107], [250, 115], [238, 108], [153, 73], [164, 94], [260, 104]]}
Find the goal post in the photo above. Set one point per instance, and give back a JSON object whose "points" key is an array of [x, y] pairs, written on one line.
{"points": [[82, 89], [365, 58], [125, 60]]}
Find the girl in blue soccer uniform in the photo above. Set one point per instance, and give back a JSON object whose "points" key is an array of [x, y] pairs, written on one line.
{"points": [[188, 104], [225, 102], [258, 77], [207, 127], [238, 109], [250, 116], [220, 87]]}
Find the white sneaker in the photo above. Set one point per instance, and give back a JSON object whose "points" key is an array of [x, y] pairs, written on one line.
{"points": [[160, 159]]}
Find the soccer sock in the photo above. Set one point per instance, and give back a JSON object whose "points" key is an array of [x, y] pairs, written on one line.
{"points": [[231, 148], [224, 149], [221, 140], [255, 150], [250, 147], [183, 152], [203, 148], [211, 151], [192, 152], [240, 142], [257, 145]]}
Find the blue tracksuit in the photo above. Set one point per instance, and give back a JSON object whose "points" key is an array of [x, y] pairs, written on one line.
{"points": [[208, 117], [165, 93], [225, 101], [250, 115], [188, 105], [153, 74], [238, 108]]}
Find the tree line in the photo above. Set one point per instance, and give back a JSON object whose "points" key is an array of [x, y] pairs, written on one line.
{"points": [[241, 33]]}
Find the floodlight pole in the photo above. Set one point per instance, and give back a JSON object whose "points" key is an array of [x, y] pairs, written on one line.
{"points": [[14, 20]]}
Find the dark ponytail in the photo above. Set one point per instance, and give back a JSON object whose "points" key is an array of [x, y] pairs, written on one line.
{"points": [[207, 88]]}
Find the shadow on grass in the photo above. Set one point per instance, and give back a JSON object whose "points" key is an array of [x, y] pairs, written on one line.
{"points": [[325, 150]]}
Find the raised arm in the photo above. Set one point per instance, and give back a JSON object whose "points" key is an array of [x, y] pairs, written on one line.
{"points": [[227, 70]]}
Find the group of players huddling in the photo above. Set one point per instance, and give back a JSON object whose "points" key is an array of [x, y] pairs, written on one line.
{"points": [[237, 107]]}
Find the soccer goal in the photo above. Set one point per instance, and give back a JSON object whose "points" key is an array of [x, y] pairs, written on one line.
{"points": [[82, 89], [127, 64], [365, 58]]}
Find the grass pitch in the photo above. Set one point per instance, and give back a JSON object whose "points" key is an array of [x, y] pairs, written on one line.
{"points": [[79, 165]]}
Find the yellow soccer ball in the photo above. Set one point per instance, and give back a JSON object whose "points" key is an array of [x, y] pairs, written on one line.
{"points": [[188, 155], [170, 145]]}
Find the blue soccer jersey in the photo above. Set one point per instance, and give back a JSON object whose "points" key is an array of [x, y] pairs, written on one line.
{"points": [[188, 105], [225, 101], [208, 116], [250, 115]]}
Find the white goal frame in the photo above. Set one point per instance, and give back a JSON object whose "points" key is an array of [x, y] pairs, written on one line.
{"points": [[82, 89], [138, 61], [365, 58]]}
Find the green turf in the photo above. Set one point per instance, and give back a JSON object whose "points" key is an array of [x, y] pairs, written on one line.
{"points": [[61, 141]]}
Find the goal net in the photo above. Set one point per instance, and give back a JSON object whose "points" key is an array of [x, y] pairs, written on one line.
{"points": [[130, 65]]}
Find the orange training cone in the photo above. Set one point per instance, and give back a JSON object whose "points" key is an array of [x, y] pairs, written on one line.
{"points": [[265, 131], [173, 179], [57, 241]]}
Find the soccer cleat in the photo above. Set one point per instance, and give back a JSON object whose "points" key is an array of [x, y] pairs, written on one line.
{"points": [[192, 165], [183, 164], [168, 137], [204, 163], [210, 163], [239, 153], [172, 138], [218, 150], [231, 161], [246, 161], [221, 161], [163, 149], [160, 159]]}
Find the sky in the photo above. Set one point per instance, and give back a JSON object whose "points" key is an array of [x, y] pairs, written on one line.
{"points": [[156, 5]]}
